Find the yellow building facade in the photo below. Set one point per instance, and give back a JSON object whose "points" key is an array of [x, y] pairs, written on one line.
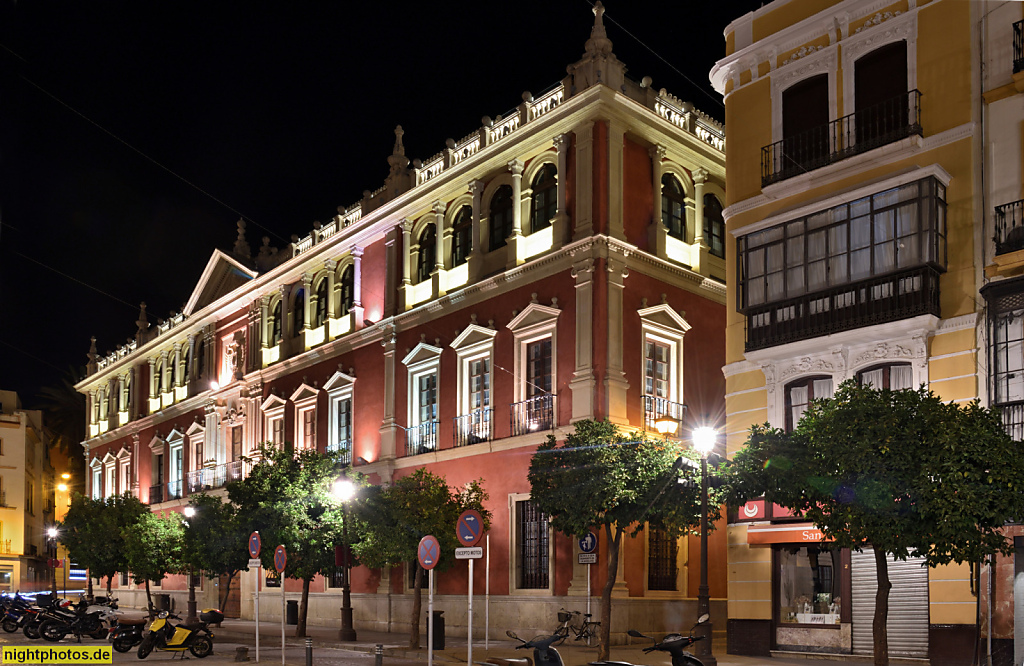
{"points": [[854, 207]]}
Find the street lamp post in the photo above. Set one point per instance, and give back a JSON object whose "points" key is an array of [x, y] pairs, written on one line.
{"points": [[192, 619], [703, 441], [52, 538], [345, 490]]}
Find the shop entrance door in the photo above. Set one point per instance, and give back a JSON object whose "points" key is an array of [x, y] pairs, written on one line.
{"points": [[908, 605]]}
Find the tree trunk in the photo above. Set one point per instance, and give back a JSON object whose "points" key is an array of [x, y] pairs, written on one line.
{"points": [[417, 605], [227, 591], [88, 594], [109, 583], [300, 626], [606, 591], [878, 631], [149, 601]]}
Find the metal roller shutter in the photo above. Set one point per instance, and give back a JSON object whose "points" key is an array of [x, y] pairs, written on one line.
{"points": [[908, 605]]}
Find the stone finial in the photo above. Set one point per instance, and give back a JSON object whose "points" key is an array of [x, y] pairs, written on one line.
{"points": [[664, 299], [598, 44], [398, 160], [533, 298], [472, 318], [142, 324], [93, 364], [490, 324], [241, 247], [643, 302]]}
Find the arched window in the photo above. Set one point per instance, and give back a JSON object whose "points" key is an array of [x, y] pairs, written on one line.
{"points": [[799, 395], [298, 311], [321, 303], [673, 206], [895, 376], [545, 198], [201, 356], [462, 236], [714, 225], [159, 377], [173, 379], [348, 281], [500, 217], [275, 324], [427, 254]]}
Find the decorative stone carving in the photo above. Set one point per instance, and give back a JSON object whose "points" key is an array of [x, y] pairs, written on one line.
{"points": [[807, 364], [877, 19], [801, 52]]}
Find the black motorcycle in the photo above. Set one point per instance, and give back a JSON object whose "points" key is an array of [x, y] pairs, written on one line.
{"points": [[543, 653], [127, 633], [84, 620], [674, 644]]}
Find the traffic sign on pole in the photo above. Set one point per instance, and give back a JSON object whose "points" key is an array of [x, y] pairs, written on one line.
{"points": [[469, 527], [280, 559], [469, 553], [428, 552], [588, 542], [254, 545]]}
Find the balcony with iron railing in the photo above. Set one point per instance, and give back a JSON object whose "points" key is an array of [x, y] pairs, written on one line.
{"points": [[1009, 227], [421, 438], [658, 409], [342, 450], [156, 493], [1018, 46], [474, 427], [877, 300], [217, 476], [871, 127], [174, 489], [533, 415]]}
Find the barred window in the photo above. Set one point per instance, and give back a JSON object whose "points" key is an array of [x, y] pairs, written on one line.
{"points": [[662, 558], [532, 546]]}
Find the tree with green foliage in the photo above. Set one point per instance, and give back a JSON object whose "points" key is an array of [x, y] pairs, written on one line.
{"points": [[215, 541], [603, 478], [392, 521], [93, 533], [152, 548], [288, 498], [64, 410], [900, 472]]}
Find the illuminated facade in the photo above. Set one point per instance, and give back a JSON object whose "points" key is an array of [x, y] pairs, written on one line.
{"points": [[562, 263]]}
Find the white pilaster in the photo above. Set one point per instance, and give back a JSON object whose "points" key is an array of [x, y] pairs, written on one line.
{"points": [[584, 194], [616, 142], [583, 384], [616, 386]]}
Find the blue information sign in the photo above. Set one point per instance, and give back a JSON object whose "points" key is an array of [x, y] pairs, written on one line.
{"points": [[588, 542]]}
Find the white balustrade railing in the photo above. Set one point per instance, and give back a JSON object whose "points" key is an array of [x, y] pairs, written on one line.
{"points": [[503, 128], [430, 169], [466, 148], [547, 103]]}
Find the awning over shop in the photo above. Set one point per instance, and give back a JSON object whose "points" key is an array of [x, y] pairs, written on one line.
{"points": [[792, 533]]}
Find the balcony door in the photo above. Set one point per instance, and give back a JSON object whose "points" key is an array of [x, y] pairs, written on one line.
{"points": [[805, 125], [880, 94]]}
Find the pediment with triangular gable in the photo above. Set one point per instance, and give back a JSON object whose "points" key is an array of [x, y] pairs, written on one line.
{"points": [[157, 443], [535, 316], [273, 402], [124, 453], [663, 317], [109, 458], [475, 335], [421, 354], [175, 435], [339, 381], [304, 393], [223, 274], [196, 428]]}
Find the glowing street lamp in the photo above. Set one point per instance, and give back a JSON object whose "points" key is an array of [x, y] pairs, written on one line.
{"points": [[703, 442], [344, 491]]}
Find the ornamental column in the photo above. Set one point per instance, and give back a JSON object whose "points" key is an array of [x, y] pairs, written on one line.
{"points": [[403, 303], [437, 277], [658, 233], [307, 282], [700, 244], [268, 330], [584, 192], [514, 241], [330, 265], [616, 169], [476, 188], [561, 223]]}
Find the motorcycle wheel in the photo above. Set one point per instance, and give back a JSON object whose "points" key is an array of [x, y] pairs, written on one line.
{"points": [[9, 625], [31, 630], [123, 644], [100, 633], [146, 646], [53, 631], [203, 647]]}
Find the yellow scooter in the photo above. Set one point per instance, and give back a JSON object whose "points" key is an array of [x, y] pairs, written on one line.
{"points": [[162, 635]]}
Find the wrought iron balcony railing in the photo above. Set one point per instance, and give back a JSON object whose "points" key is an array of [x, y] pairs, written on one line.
{"points": [[474, 427], [533, 415], [1013, 419], [1018, 46], [1010, 227], [156, 494], [421, 438], [878, 300], [869, 128], [174, 489], [218, 476], [657, 409], [342, 450]]}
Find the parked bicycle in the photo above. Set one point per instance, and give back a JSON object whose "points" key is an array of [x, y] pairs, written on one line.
{"points": [[569, 622]]}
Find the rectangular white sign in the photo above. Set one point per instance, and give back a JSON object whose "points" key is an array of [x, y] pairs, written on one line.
{"points": [[469, 553], [255, 563], [588, 558]]}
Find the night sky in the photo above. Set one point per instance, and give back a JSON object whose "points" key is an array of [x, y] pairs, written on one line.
{"points": [[133, 135]]}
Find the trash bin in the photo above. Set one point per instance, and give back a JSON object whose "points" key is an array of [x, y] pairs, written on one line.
{"points": [[438, 629], [293, 612], [163, 602]]}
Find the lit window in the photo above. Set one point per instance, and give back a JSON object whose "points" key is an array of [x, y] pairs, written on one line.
{"points": [[462, 236], [321, 303], [347, 290], [895, 376], [545, 198], [799, 395], [673, 207], [427, 254], [714, 225]]}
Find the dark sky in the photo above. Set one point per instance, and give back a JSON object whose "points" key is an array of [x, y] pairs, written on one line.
{"points": [[134, 134]]}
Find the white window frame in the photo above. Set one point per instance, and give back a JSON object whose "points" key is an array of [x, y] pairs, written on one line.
{"points": [[124, 470], [339, 388], [822, 62], [423, 360], [661, 323], [304, 400], [533, 324], [109, 475], [175, 443], [473, 344], [273, 411], [97, 478], [866, 38], [513, 555]]}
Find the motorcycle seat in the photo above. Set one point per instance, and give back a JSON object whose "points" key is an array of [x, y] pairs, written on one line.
{"points": [[132, 622]]}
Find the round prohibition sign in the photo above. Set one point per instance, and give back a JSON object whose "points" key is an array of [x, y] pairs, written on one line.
{"points": [[428, 552], [280, 559], [254, 545], [469, 528]]}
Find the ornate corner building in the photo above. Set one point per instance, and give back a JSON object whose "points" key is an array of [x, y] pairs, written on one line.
{"points": [[858, 215], [564, 262]]}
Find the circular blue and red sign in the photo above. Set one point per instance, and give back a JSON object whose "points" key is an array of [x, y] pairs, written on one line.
{"points": [[280, 559], [469, 528], [254, 545], [428, 552]]}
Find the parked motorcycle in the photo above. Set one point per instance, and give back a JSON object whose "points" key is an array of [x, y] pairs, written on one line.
{"points": [[162, 635], [127, 633], [93, 621], [674, 644], [543, 653], [14, 609]]}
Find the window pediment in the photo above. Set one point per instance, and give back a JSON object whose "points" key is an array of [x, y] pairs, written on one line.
{"points": [[273, 403], [123, 454], [421, 354], [108, 459], [96, 464], [474, 335], [339, 381], [664, 317], [535, 316], [157, 443], [196, 429], [175, 437], [305, 393]]}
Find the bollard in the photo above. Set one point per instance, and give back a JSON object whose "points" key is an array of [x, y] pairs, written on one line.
{"points": [[378, 655], [309, 652], [241, 653]]}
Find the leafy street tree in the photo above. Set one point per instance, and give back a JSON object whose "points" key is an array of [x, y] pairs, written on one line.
{"points": [[65, 418], [602, 478], [288, 499], [152, 548], [215, 541], [93, 532], [898, 471], [394, 519]]}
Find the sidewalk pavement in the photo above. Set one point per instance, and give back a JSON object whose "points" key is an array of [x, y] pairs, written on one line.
{"points": [[455, 652]]}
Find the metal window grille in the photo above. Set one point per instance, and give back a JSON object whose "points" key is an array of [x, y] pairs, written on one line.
{"points": [[532, 528], [662, 558], [1009, 224]]}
